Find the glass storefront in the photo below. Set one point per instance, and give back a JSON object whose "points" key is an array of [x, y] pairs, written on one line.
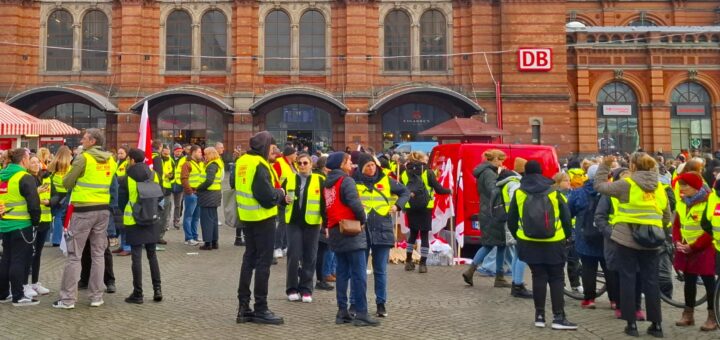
{"points": [[404, 122], [617, 122], [190, 123], [78, 115], [301, 125], [690, 124]]}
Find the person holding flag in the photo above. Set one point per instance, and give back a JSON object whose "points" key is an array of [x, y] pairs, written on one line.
{"points": [[89, 180]]}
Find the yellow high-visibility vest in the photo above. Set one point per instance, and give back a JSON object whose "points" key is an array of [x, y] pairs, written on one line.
{"points": [[404, 179], [311, 201], [713, 215], [15, 203], [45, 214], [57, 180], [168, 167], [217, 181], [94, 185], [128, 219], [373, 200], [197, 174], [642, 207], [249, 209], [178, 169]]}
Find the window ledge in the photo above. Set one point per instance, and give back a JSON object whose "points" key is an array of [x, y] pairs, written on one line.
{"points": [[176, 73], [95, 73], [58, 73], [396, 73], [314, 73], [214, 73], [277, 73], [433, 73]]}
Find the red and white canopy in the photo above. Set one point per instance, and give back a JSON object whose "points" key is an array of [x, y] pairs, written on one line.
{"points": [[19, 123]]}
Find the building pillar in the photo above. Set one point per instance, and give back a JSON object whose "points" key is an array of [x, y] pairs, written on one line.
{"points": [[239, 130], [356, 131], [126, 130]]}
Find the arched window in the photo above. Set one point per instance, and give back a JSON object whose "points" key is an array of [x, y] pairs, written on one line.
{"points": [[404, 122], [178, 42], [397, 41], [642, 21], [213, 42], [433, 41], [617, 123], [189, 123], [60, 36], [301, 124], [312, 41], [277, 41], [95, 41], [690, 121], [78, 115]]}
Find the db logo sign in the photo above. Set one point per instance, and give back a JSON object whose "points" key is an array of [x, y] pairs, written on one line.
{"points": [[535, 59]]}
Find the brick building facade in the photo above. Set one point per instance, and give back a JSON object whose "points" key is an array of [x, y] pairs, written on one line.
{"points": [[335, 73]]}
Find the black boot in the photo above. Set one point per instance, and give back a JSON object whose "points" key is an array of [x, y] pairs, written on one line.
{"points": [[365, 320], [560, 322], [423, 267], [157, 294], [214, 245], [519, 291], [267, 317], [468, 274], [239, 241], [655, 330], [136, 297], [343, 316], [245, 314], [322, 285], [631, 329], [409, 265]]}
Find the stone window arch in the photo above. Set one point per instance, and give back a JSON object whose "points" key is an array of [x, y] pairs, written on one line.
{"points": [[178, 41], [213, 41], [397, 41], [617, 114], [95, 41], [312, 41], [277, 41], [60, 38], [690, 117], [433, 41]]}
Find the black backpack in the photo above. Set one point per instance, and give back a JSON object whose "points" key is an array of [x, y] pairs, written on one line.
{"points": [[146, 210], [498, 214], [420, 196], [538, 215]]}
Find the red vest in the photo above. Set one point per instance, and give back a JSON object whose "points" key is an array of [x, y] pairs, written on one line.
{"points": [[335, 208]]}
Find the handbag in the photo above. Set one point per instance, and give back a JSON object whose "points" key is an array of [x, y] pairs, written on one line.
{"points": [[647, 236], [350, 227]]}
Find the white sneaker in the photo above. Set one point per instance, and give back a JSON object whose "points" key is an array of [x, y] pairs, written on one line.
{"points": [[97, 303], [284, 252], [26, 301], [294, 297], [278, 253], [369, 271], [59, 304], [578, 289], [307, 298], [192, 243], [7, 299], [29, 291], [38, 287]]}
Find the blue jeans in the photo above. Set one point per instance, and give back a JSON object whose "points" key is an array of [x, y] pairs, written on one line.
{"points": [[111, 230], [123, 241], [380, 257], [351, 267], [58, 221], [488, 264], [191, 219], [518, 267], [329, 263], [499, 257]]}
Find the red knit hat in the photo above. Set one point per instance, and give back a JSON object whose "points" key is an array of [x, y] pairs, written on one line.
{"points": [[691, 179]]}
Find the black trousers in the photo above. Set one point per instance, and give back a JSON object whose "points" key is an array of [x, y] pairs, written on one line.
{"points": [[16, 257], [301, 257], [86, 263], [320, 260], [37, 254], [542, 275], [691, 289], [589, 275], [612, 280], [573, 266], [629, 260], [259, 242], [136, 266]]}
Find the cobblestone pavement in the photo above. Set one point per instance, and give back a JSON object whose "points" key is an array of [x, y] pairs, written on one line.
{"points": [[200, 302]]}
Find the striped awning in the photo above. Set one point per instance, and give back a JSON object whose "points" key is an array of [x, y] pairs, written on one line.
{"points": [[54, 127], [16, 122]]}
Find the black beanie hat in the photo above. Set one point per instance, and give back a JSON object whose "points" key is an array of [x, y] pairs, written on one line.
{"points": [[363, 159], [533, 167], [137, 155], [289, 150], [334, 161]]}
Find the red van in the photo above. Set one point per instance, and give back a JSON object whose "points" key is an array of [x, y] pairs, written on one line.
{"points": [[472, 155]]}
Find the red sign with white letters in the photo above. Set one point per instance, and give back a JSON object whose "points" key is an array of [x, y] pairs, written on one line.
{"points": [[535, 59]]}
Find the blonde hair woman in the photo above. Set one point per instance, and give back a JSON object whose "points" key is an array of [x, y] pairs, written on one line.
{"points": [[44, 156], [640, 191], [209, 197], [59, 166]]}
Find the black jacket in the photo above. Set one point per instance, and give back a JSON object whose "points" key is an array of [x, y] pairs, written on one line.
{"points": [[28, 189], [380, 229], [38, 180], [209, 198], [348, 196], [552, 253], [486, 175]]}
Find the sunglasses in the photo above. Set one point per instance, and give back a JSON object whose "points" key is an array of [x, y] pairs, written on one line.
{"points": [[304, 163]]}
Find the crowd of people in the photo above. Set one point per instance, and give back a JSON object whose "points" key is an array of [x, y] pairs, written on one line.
{"points": [[331, 214]]}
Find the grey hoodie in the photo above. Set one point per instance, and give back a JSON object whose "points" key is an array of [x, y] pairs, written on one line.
{"points": [[648, 182]]}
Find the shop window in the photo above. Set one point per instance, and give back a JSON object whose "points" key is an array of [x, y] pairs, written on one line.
{"points": [[213, 41], [59, 53], [690, 122], [397, 41], [277, 41], [78, 115], [190, 123], [95, 41], [178, 40], [301, 125], [312, 41], [433, 41], [404, 122], [617, 124]]}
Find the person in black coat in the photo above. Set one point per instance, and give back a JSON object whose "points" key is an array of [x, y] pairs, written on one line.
{"points": [[142, 236], [209, 199]]}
